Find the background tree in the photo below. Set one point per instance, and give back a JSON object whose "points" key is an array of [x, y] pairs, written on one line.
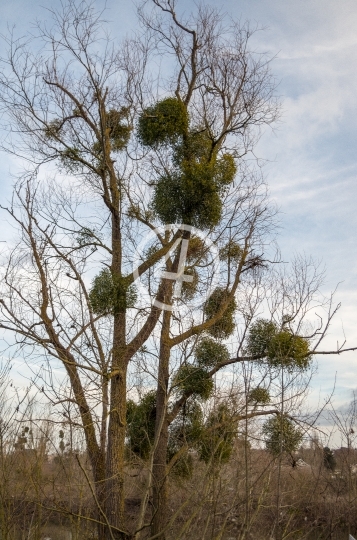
{"points": [[329, 459]]}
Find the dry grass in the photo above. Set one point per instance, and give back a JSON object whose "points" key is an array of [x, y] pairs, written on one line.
{"points": [[235, 501]]}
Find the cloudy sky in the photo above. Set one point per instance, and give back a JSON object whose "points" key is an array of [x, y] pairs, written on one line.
{"points": [[311, 159]]}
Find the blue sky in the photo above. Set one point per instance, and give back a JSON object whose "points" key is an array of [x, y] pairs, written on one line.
{"points": [[311, 158]]}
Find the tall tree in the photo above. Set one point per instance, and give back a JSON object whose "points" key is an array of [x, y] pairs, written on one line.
{"points": [[110, 167]]}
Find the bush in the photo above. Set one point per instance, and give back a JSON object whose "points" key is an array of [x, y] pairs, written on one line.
{"points": [[141, 418], [218, 436], [185, 431]]}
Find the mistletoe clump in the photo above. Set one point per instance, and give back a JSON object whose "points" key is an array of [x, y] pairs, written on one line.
{"points": [[224, 327], [196, 250], [280, 347], [281, 435], [259, 396], [231, 252], [71, 160], [194, 380], [111, 295], [191, 192], [189, 288], [260, 336], [289, 350], [163, 123], [118, 128], [53, 128], [209, 353]]}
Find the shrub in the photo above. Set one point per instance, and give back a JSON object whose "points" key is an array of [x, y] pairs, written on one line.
{"points": [[218, 436], [140, 418]]}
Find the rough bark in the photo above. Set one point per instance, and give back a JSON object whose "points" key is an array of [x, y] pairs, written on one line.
{"points": [[115, 454], [162, 424], [117, 414]]}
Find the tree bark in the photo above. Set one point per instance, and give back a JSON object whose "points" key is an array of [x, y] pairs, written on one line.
{"points": [[160, 488], [115, 455], [162, 424], [115, 496]]}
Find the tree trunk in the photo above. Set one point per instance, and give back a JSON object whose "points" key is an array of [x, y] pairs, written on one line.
{"points": [[95, 453], [116, 435], [115, 497], [160, 488], [99, 477], [160, 453]]}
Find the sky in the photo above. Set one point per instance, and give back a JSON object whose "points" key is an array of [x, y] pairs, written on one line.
{"points": [[310, 157]]}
